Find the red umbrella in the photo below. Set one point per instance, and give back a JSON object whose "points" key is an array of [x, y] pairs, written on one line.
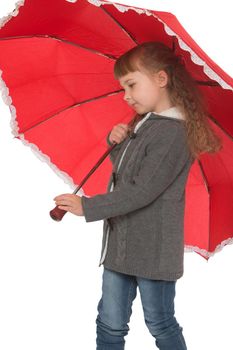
{"points": [[56, 61]]}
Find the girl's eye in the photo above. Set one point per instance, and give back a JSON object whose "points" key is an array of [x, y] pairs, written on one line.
{"points": [[130, 85]]}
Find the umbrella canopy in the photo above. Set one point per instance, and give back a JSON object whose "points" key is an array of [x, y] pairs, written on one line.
{"points": [[56, 70]]}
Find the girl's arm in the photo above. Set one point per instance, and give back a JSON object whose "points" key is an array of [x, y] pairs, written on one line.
{"points": [[167, 154]]}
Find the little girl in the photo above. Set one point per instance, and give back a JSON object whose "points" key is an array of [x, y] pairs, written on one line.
{"points": [[143, 213]]}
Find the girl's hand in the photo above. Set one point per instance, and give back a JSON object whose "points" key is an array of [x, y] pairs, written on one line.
{"points": [[70, 202], [119, 133]]}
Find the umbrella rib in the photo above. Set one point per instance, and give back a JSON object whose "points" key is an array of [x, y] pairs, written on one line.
{"points": [[173, 43], [62, 40], [219, 126], [199, 82], [204, 176], [208, 190], [119, 24], [74, 105], [207, 83]]}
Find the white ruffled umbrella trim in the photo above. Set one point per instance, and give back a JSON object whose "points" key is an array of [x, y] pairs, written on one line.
{"points": [[194, 57], [43, 157], [14, 13], [205, 253], [34, 148]]}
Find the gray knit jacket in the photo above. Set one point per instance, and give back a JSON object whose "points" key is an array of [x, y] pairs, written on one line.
{"points": [[145, 211]]}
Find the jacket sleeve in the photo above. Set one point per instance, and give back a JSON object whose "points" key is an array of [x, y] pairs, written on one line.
{"points": [[114, 152], [166, 155]]}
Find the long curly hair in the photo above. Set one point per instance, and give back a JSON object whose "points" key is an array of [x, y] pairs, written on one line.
{"points": [[183, 92]]}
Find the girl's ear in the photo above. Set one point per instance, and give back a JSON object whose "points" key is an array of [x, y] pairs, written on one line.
{"points": [[162, 78]]}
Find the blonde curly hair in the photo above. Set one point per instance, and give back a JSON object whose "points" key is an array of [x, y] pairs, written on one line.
{"points": [[183, 91]]}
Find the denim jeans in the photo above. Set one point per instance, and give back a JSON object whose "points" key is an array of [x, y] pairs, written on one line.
{"points": [[115, 308]]}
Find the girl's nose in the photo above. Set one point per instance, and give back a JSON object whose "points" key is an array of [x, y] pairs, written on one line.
{"points": [[126, 96]]}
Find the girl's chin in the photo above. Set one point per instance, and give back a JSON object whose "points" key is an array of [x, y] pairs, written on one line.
{"points": [[139, 109]]}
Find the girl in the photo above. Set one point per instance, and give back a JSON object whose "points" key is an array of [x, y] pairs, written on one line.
{"points": [[143, 240]]}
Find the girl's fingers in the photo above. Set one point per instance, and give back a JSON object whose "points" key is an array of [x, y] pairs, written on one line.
{"points": [[119, 132], [64, 207], [123, 130], [63, 202], [67, 196], [68, 201], [120, 135], [123, 126]]}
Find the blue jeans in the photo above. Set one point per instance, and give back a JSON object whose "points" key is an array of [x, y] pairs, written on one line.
{"points": [[115, 308]]}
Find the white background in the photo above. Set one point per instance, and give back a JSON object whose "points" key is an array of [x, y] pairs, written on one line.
{"points": [[50, 282]]}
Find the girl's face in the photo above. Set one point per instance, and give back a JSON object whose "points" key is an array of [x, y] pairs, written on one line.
{"points": [[146, 92]]}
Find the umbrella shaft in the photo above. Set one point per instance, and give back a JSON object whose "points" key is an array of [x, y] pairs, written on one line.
{"points": [[95, 167]]}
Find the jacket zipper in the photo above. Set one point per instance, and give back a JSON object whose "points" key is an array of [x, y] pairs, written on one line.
{"points": [[108, 228], [112, 186]]}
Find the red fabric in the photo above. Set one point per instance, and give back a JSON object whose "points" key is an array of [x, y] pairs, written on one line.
{"points": [[49, 80]]}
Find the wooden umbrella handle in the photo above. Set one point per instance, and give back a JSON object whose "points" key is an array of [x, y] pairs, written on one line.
{"points": [[57, 213]]}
